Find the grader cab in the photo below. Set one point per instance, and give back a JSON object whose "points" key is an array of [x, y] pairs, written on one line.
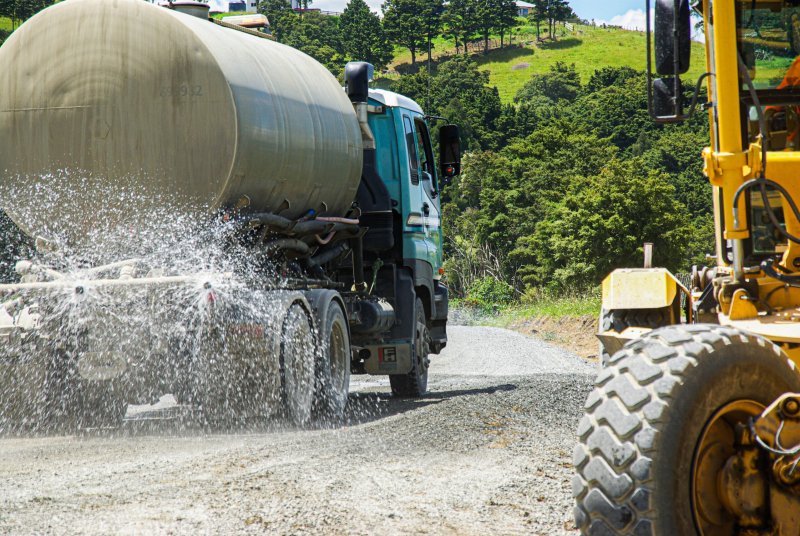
{"points": [[693, 426]]}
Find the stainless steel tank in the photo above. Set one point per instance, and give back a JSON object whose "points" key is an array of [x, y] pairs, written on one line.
{"points": [[181, 108]]}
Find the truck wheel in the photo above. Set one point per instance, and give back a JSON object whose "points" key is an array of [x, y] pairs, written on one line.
{"points": [[96, 404], [297, 365], [659, 426], [415, 382], [621, 319], [334, 366]]}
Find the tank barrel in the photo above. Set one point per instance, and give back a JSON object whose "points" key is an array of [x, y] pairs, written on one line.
{"points": [[183, 111]]}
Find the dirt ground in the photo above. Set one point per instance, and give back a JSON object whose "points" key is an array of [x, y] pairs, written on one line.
{"points": [[574, 334], [488, 451]]}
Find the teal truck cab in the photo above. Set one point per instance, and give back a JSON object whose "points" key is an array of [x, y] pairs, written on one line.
{"points": [[400, 190]]}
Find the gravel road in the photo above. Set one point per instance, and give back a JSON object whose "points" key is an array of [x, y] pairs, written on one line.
{"points": [[486, 452]]}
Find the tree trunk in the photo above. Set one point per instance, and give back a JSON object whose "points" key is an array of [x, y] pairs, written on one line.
{"points": [[413, 56], [429, 48], [486, 42], [502, 35]]}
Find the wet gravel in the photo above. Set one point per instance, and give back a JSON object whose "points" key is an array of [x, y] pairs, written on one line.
{"points": [[486, 452]]}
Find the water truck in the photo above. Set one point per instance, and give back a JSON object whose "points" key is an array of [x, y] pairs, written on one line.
{"points": [[328, 198]]}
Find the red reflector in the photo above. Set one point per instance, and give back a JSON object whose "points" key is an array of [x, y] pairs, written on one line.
{"points": [[441, 271]]}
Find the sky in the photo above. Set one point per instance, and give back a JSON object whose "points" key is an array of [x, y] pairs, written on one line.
{"points": [[628, 13]]}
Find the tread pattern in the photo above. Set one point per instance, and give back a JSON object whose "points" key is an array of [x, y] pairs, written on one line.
{"points": [[618, 433], [621, 319]]}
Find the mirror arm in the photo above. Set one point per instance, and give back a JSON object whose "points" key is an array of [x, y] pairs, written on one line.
{"points": [[676, 57], [436, 118]]}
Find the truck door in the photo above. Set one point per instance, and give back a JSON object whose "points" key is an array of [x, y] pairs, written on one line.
{"points": [[430, 193], [416, 243]]}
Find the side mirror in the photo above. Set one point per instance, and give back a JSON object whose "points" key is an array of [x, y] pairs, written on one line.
{"points": [[449, 151], [673, 40], [673, 48], [664, 99]]}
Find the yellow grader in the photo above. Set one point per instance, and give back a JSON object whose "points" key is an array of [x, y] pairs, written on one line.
{"points": [[693, 426]]}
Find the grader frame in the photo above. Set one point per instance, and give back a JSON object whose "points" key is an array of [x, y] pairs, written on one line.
{"points": [[694, 423]]}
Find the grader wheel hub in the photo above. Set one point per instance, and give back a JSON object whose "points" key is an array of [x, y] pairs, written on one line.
{"points": [[728, 490]]}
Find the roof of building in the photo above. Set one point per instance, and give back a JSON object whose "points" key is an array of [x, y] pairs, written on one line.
{"points": [[524, 4], [392, 99]]}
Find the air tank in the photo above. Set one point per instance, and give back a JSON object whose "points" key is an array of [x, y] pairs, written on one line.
{"points": [[100, 92]]}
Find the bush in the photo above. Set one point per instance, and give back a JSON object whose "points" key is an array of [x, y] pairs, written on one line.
{"points": [[489, 291]]}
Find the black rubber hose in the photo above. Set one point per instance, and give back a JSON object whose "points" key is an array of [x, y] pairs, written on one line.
{"points": [[271, 220], [769, 269], [291, 244], [762, 182], [329, 254]]}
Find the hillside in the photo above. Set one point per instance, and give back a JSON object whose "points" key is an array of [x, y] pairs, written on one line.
{"points": [[587, 47]]}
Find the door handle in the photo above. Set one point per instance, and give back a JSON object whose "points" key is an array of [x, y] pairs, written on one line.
{"points": [[426, 208]]}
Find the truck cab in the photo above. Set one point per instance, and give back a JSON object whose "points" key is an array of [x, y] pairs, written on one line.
{"points": [[399, 199]]}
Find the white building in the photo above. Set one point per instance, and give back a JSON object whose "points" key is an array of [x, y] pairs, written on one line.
{"points": [[524, 8]]}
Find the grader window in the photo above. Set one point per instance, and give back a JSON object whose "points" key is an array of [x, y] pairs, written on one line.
{"points": [[769, 45], [766, 238]]}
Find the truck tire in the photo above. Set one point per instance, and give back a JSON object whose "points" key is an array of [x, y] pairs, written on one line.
{"points": [[415, 382], [655, 408], [297, 365], [95, 404], [334, 364], [621, 319]]}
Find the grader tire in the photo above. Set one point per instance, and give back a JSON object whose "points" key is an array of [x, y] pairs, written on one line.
{"points": [[639, 438], [621, 319]]}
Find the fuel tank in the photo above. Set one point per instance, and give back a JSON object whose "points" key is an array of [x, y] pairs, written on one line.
{"points": [[106, 92]]}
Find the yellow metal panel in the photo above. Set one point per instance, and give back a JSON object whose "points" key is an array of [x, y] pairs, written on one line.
{"points": [[639, 288], [782, 328], [728, 105]]}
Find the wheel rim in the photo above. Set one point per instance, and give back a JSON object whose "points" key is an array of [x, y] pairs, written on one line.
{"points": [[715, 447], [298, 365]]}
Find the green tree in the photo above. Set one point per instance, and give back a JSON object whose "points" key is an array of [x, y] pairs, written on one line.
{"points": [[592, 231], [363, 36], [556, 11], [432, 11], [506, 17], [487, 18], [402, 22], [317, 35], [538, 14], [562, 82], [458, 91], [461, 21], [618, 111], [283, 20]]}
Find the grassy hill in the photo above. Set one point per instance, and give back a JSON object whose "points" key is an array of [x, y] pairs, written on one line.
{"points": [[587, 47]]}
